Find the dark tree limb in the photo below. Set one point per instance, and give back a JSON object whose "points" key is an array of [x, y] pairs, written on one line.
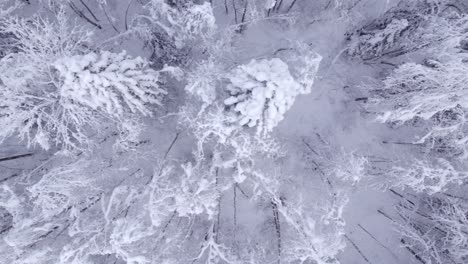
{"points": [[108, 19], [89, 10], [278, 5], [235, 10], [244, 12], [357, 249], [242, 191], [83, 16], [16, 157], [276, 220], [401, 196], [226, 7], [415, 255], [385, 215], [291, 6], [126, 14], [9, 177], [378, 242], [171, 145]]}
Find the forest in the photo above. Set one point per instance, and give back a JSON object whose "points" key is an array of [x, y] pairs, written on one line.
{"points": [[233, 131]]}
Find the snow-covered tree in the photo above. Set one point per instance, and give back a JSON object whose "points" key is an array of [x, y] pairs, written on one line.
{"points": [[428, 177], [218, 192], [409, 27], [39, 42], [109, 82], [261, 92], [435, 229], [190, 190], [77, 94], [173, 28], [378, 42], [434, 96], [65, 91]]}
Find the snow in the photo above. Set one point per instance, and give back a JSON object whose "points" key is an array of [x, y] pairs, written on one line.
{"points": [[261, 93], [216, 142], [110, 82]]}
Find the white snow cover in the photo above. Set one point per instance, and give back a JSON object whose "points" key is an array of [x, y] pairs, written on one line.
{"points": [[262, 91], [183, 25], [110, 82], [117, 182]]}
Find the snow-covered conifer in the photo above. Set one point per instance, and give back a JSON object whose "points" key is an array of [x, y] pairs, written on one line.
{"points": [[113, 83], [261, 92]]}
